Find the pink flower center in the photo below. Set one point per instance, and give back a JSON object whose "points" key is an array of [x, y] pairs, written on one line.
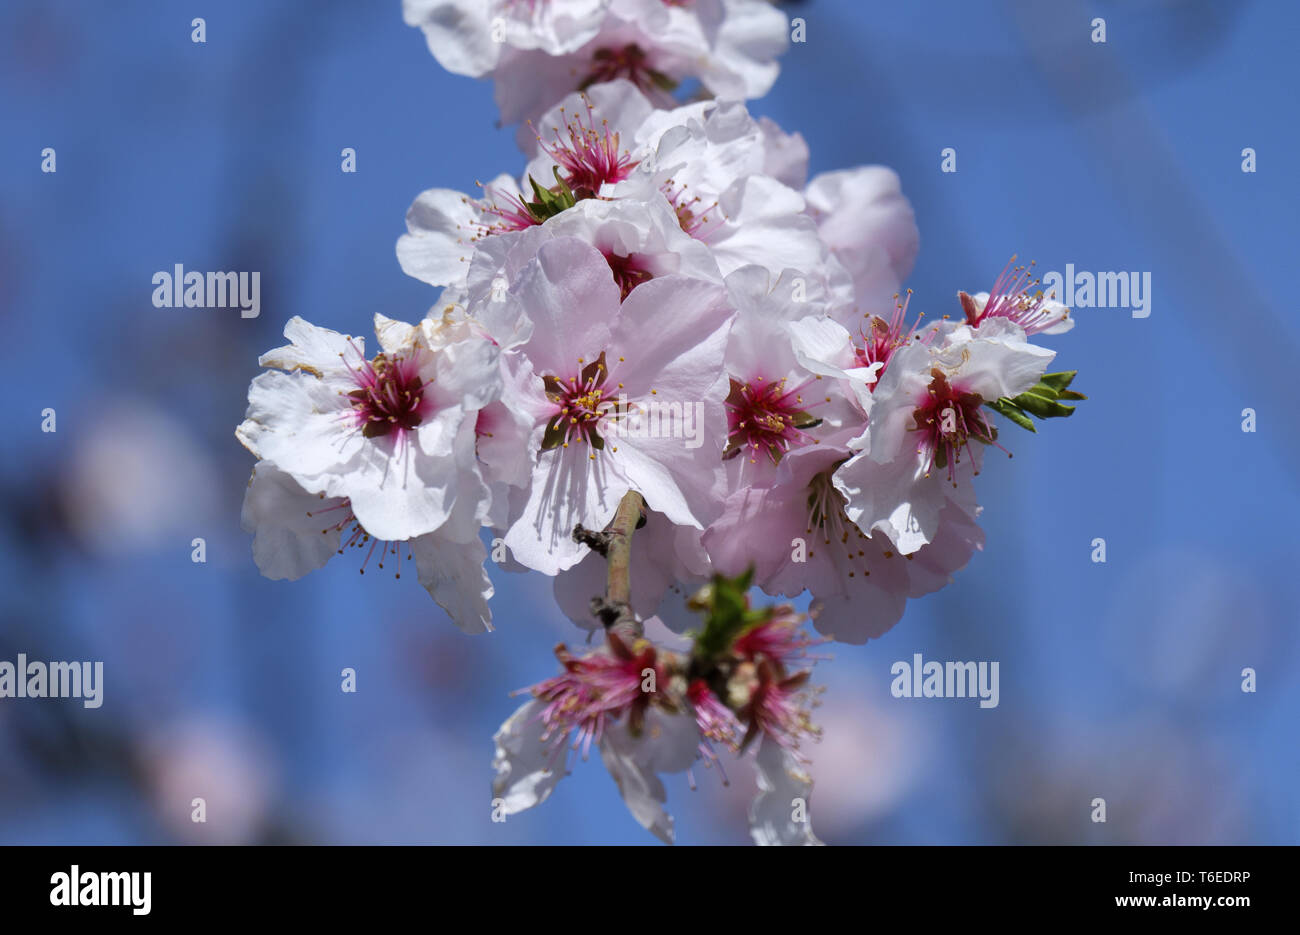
{"points": [[715, 720], [629, 272], [581, 402], [1010, 298], [780, 639], [826, 516], [948, 419], [389, 397], [767, 418], [593, 690], [780, 707], [588, 157], [879, 338], [629, 62]]}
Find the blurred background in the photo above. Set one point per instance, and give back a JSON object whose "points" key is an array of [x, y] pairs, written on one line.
{"points": [[1119, 680]]}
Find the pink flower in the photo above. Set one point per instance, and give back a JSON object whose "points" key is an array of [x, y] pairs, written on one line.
{"points": [[537, 51], [928, 429], [392, 433], [799, 537], [595, 689], [600, 700], [622, 395]]}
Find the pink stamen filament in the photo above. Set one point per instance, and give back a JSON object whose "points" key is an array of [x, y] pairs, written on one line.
{"points": [[589, 158], [1010, 298]]}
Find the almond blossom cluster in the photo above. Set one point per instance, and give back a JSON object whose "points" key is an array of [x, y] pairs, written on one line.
{"points": [[660, 306]]}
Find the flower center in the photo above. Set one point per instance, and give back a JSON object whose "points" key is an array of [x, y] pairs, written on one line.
{"points": [[779, 706], [629, 62], [826, 516], [594, 689], [582, 401], [389, 396], [879, 338], [766, 418], [947, 419], [588, 157], [629, 272], [692, 216], [1010, 298], [826, 511]]}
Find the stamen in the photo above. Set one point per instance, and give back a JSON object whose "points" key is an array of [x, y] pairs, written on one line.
{"points": [[1010, 298]]}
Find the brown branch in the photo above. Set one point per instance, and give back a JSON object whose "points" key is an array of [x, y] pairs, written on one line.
{"points": [[614, 609]]}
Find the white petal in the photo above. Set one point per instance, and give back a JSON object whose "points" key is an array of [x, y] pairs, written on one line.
{"points": [[783, 786], [527, 769], [864, 217], [459, 33], [667, 743], [301, 424], [311, 348], [568, 292], [765, 224], [438, 244], [453, 574], [897, 498], [288, 541], [567, 488], [743, 63]]}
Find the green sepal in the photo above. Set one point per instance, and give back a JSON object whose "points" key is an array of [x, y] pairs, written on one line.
{"points": [[1042, 400], [547, 203], [725, 604], [662, 81], [1008, 409], [555, 433]]}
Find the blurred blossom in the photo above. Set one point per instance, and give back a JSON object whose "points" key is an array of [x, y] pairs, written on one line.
{"points": [[872, 756], [137, 478], [224, 763]]}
